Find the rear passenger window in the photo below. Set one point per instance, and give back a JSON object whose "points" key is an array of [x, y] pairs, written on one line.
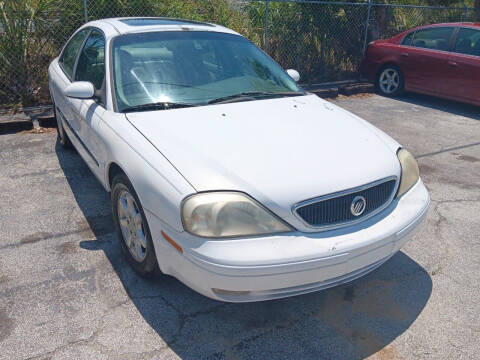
{"points": [[69, 54], [407, 40], [434, 38], [468, 42]]}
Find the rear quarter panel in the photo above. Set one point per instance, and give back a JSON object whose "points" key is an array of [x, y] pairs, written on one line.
{"points": [[381, 52], [378, 55]]}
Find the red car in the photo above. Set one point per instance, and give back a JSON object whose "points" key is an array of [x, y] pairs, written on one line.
{"points": [[441, 60]]}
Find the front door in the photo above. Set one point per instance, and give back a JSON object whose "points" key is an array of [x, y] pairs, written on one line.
{"points": [[463, 78], [87, 113], [425, 61]]}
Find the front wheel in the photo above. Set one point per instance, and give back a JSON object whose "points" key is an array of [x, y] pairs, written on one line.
{"points": [[390, 81], [132, 227]]}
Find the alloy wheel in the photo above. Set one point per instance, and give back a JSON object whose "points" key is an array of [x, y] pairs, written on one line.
{"points": [[131, 225], [389, 81]]}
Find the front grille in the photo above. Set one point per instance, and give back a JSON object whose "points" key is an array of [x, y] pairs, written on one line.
{"points": [[334, 210]]}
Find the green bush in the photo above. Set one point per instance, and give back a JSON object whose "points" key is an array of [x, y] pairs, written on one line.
{"points": [[323, 41], [31, 32]]}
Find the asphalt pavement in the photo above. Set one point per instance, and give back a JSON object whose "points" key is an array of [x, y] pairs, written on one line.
{"points": [[67, 293]]}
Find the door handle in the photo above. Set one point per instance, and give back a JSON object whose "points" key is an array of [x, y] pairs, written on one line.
{"points": [[452, 64], [404, 54]]}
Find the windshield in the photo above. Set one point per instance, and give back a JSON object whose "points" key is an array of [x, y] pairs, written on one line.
{"points": [[192, 67]]}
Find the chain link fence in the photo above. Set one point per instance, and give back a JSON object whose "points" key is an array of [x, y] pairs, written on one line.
{"points": [[324, 40]]}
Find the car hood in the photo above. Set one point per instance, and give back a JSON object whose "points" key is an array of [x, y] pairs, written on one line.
{"points": [[279, 151]]}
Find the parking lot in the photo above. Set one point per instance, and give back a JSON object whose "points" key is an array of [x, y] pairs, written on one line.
{"points": [[67, 293]]}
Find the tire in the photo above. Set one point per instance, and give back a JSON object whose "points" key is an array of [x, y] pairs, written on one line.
{"points": [[390, 81], [62, 136], [132, 227]]}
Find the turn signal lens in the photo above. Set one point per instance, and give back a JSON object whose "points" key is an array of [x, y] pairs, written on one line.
{"points": [[172, 242]]}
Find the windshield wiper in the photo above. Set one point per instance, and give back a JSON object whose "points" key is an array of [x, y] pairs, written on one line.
{"points": [[253, 94], [165, 105]]}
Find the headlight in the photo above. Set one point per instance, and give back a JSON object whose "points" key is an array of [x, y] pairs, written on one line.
{"points": [[410, 172], [228, 214]]}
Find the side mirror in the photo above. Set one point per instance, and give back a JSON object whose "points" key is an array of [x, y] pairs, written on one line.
{"points": [[80, 90], [294, 74]]}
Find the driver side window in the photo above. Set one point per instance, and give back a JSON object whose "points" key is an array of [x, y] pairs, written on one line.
{"points": [[69, 54], [91, 63]]}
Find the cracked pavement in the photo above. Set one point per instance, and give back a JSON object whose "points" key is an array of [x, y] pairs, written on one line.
{"points": [[67, 293]]}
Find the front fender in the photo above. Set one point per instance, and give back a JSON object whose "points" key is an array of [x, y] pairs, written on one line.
{"points": [[159, 186]]}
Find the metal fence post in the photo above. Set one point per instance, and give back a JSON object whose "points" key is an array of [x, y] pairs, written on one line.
{"points": [[366, 26], [266, 24], [85, 10]]}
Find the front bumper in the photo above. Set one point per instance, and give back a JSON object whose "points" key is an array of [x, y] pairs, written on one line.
{"points": [[262, 268]]}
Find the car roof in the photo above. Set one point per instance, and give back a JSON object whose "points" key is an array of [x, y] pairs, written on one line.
{"points": [[455, 24], [126, 25]]}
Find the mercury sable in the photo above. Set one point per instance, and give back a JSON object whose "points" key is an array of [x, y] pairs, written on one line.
{"points": [[223, 172]]}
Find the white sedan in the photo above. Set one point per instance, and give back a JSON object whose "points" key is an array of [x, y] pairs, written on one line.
{"points": [[222, 171]]}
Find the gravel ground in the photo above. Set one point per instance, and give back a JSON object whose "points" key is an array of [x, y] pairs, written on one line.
{"points": [[66, 293]]}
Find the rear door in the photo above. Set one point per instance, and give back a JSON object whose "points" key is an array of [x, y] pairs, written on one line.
{"points": [[463, 80], [424, 59]]}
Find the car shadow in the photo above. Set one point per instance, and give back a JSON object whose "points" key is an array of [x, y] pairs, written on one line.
{"points": [[354, 320], [454, 107]]}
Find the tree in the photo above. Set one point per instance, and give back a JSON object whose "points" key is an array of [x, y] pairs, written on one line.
{"points": [[30, 34]]}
